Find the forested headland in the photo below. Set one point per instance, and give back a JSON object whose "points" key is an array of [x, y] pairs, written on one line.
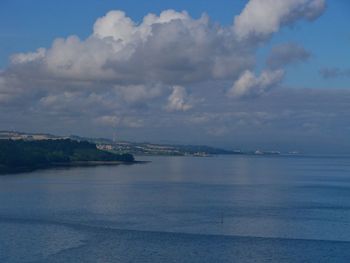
{"points": [[22, 155]]}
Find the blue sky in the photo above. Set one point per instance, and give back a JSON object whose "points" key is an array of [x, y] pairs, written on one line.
{"points": [[267, 74]]}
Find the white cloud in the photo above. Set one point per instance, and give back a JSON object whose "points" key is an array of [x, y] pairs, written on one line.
{"points": [[115, 24], [144, 59], [122, 29], [171, 48], [178, 101], [248, 85], [260, 18], [22, 58]]}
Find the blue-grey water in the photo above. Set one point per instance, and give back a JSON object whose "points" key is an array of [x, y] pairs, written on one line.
{"points": [[180, 209]]}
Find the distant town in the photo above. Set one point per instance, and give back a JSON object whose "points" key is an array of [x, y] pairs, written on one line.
{"points": [[139, 148]]}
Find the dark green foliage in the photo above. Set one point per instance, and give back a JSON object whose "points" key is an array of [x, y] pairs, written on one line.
{"points": [[17, 154]]}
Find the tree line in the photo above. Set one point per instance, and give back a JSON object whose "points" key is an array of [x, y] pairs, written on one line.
{"points": [[21, 153]]}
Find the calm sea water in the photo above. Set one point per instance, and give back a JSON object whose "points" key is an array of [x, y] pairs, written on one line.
{"points": [[180, 209]]}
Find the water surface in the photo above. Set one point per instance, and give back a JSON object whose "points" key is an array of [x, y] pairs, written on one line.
{"points": [[180, 209]]}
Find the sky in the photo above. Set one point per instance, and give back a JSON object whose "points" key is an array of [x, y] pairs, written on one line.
{"points": [[267, 74]]}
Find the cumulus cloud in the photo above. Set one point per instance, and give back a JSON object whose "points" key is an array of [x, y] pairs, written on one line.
{"points": [[171, 48], [139, 61], [178, 101], [22, 58], [249, 85], [331, 73], [285, 54], [261, 18]]}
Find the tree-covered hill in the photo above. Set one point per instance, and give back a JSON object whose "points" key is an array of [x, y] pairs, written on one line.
{"points": [[20, 155]]}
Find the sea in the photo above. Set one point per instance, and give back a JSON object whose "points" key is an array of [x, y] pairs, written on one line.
{"points": [[234, 208]]}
